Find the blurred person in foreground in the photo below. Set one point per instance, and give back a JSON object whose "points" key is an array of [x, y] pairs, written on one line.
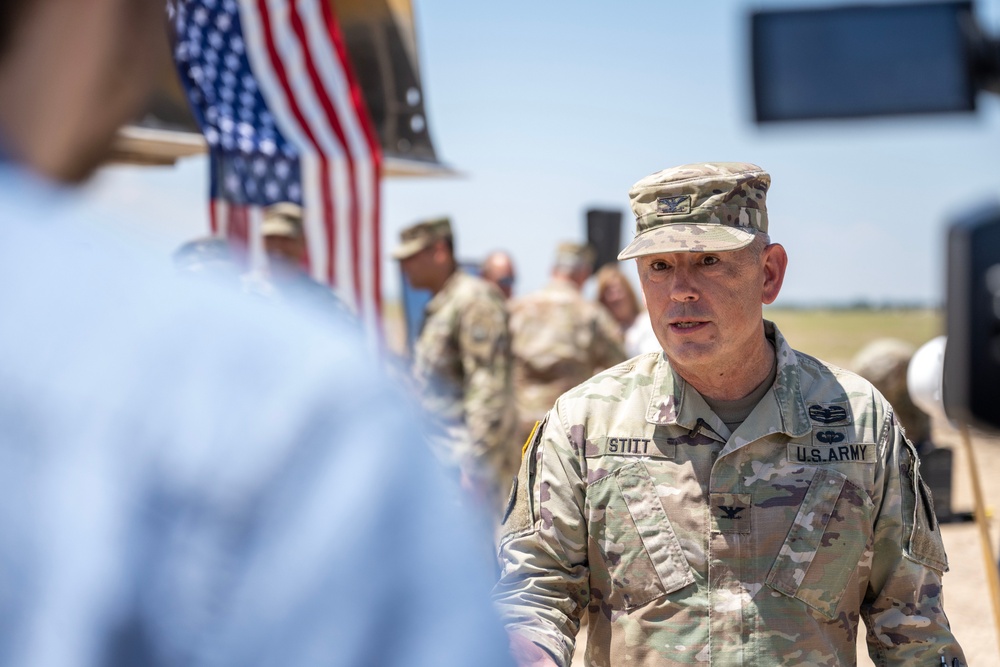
{"points": [[498, 268], [727, 501], [558, 337], [181, 483], [462, 362], [615, 293], [209, 256]]}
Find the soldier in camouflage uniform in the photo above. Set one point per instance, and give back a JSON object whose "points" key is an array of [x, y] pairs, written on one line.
{"points": [[559, 338], [462, 362], [730, 501]]}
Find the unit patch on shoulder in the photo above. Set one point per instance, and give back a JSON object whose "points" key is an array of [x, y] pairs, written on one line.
{"points": [[830, 413]]}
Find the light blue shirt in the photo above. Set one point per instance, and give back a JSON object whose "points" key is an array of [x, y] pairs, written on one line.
{"points": [[188, 476]]}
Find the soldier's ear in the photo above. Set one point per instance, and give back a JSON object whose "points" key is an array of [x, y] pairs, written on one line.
{"points": [[775, 262]]}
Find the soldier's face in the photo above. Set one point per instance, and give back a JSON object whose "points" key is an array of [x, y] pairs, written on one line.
{"points": [[290, 252], [419, 267], [707, 308]]}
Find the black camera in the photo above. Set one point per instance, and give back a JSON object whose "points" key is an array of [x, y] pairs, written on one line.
{"points": [[916, 58]]}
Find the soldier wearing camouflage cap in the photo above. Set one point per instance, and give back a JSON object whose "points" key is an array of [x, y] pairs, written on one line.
{"points": [[462, 361], [559, 338], [729, 501]]}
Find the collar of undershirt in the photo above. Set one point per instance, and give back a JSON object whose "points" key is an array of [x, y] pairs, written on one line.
{"points": [[734, 413]]}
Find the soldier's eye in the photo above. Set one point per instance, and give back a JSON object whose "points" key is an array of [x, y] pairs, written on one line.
{"points": [[710, 259], [658, 265]]}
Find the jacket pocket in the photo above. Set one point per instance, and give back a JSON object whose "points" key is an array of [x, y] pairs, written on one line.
{"points": [[826, 543], [638, 545]]}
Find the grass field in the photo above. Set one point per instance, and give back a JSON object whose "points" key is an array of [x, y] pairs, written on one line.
{"points": [[836, 335]]}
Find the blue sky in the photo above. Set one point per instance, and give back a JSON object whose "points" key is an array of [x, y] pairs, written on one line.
{"points": [[548, 109]]}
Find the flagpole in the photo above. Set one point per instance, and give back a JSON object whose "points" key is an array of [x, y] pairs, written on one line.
{"points": [[986, 543]]}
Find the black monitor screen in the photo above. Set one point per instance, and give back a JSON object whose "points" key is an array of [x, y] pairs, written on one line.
{"points": [[862, 61]]}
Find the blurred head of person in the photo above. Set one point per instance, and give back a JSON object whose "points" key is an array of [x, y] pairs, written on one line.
{"points": [[284, 237], [574, 262], [71, 74], [498, 268], [615, 293], [426, 253]]}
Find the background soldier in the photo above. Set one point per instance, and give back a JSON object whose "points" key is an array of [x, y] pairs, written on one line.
{"points": [[559, 338], [730, 501], [462, 361], [498, 268]]}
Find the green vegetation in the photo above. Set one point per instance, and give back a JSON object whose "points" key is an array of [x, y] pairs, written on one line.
{"points": [[836, 335]]}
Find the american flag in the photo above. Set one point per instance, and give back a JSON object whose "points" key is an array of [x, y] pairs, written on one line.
{"points": [[271, 86]]}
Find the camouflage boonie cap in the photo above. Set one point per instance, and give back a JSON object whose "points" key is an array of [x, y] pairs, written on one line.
{"points": [[705, 207], [282, 219], [416, 237]]}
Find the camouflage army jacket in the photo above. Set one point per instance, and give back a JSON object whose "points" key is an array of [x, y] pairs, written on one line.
{"points": [[687, 544], [559, 339], [462, 366]]}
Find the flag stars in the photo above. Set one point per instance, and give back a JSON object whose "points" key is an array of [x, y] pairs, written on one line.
{"points": [[232, 181], [272, 191], [223, 22]]}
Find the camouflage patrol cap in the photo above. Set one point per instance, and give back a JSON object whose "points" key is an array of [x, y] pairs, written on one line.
{"points": [[282, 219], [416, 237], [571, 255], [705, 207]]}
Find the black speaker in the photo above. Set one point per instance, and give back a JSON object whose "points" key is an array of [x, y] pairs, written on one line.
{"points": [[604, 234], [971, 389]]}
